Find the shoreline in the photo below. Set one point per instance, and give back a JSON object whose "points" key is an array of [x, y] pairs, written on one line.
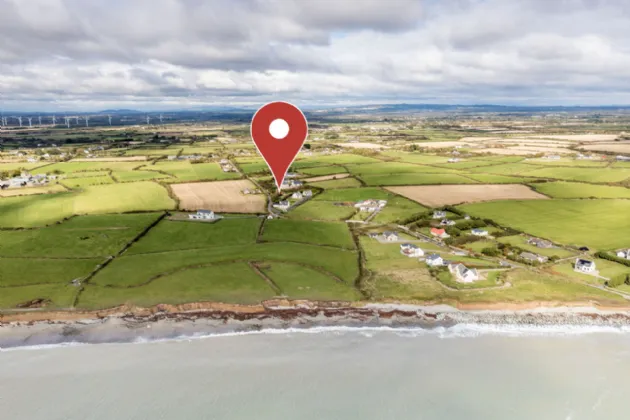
{"points": [[168, 322]]}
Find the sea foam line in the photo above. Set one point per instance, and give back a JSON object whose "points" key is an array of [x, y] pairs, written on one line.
{"points": [[455, 331]]}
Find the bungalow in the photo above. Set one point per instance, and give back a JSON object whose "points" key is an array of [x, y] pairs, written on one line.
{"points": [[440, 233], [624, 253], [411, 250], [463, 274], [19, 181], [283, 205], [373, 235], [297, 195], [531, 257], [479, 232], [390, 236], [434, 260], [439, 214], [291, 175], [540, 243], [584, 266], [446, 222], [623, 158], [453, 160], [307, 193], [204, 215]]}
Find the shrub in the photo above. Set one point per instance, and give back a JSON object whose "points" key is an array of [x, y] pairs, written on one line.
{"points": [[614, 258], [491, 252]]}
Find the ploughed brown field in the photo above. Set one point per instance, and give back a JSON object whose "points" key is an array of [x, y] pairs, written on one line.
{"points": [[440, 195], [614, 148], [219, 196], [326, 177]]}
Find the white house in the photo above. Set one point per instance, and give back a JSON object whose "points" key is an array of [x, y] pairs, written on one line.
{"points": [[439, 214], [446, 222], [453, 160], [390, 236], [479, 232], [283, 205], [297, 195], [624, 253], [463, 274], [434, 260], [411, 250], [204, 215], [307, 193], [467, 217], [584, 266]]}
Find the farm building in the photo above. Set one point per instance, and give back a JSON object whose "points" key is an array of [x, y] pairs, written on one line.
{"points": [[584, 266], [540, 243], [373, 235], [434, 260], [439, 214], [411, 250], [446, 222], [440, 233], [463, 274], [283, 205], [390, 236], [479, 232], [307, 193], [531, 257], [624, 253], [204, 215]]}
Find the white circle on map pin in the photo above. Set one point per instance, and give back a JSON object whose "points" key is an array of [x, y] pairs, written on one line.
{"points": [[278, 129]]}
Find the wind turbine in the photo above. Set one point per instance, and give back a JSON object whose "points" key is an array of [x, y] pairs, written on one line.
{"points": [[67, 121], [54, 120], [110, 119], [77, 118], [20, 121], [40, 120], [30, 122], [148, 120], [160, 118], [87, 119]]}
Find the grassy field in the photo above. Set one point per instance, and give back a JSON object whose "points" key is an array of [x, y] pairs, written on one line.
{"points": [[353, 195], [139, 175], [79, 237], [580, 190], [228, 282], [321, 210], [582, 174], [130, 270], [521, 242], [601, 224], [87, 181], [323, 170], [177, 235], [186, 171], [38, 271], [299, 282], [318, 233], [39, 210], [336, 183], [57, 295], [415, 179]]}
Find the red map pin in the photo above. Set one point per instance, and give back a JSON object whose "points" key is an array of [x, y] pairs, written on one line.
{"points": [[279, 130]]}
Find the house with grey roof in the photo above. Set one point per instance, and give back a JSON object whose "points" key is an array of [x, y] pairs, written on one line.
{"points": [[463, 274]]}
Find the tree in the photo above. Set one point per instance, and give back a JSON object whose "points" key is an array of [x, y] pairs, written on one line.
{"points": [[490, 252]]}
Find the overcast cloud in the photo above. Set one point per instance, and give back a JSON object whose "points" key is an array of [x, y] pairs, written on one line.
{"points": [[168, 54]]}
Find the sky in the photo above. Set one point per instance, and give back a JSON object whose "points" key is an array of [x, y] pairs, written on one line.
{"points": [[88, 55]]}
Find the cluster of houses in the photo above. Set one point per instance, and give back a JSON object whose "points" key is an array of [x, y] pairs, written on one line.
{"points": [[248, 191], [388, 236], [370, 205], [284, 205], [292, 183], [462, 273], [26, 180], [624, 253], [204, 215], [623, 158], [552, 157]]}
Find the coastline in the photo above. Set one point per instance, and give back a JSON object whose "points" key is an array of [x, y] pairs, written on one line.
{"points": [[186, 321]]}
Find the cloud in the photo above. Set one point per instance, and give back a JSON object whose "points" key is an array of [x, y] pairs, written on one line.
{"points": [[172, 53]]}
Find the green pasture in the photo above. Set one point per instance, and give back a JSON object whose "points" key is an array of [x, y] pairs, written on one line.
{"points": [[337, 183], [580, 190], [317, 233], [415, 179]]}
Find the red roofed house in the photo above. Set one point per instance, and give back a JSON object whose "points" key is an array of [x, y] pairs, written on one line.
{"points": [[440, 233]]}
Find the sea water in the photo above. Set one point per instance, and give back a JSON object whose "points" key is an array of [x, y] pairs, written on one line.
{"points": [[462, 372]]}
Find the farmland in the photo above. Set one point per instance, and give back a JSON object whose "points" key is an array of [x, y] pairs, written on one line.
{"points": [[109, 223]]}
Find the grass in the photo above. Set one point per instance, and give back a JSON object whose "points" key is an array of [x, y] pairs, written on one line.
{"points": [[497, 179], [86, 181], [580, 190], [70, 167], [40, 210], [321, 210], [228, 283], [388, 168], [79, 237], [323, 170], [506, 169], [602, 224], [446, 278], [521, 242], [59, 295], [129, 270], [134, 176], [606, 268], [33, 271], [318, 233], [398, 208], [299, 282], [415, 179], [186, 171], [337, 183], [353, 194], [48, 189], [177, 235], [583, 174]]}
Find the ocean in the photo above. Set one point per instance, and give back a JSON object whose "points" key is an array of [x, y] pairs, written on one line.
{"points": [[459, 372]]}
